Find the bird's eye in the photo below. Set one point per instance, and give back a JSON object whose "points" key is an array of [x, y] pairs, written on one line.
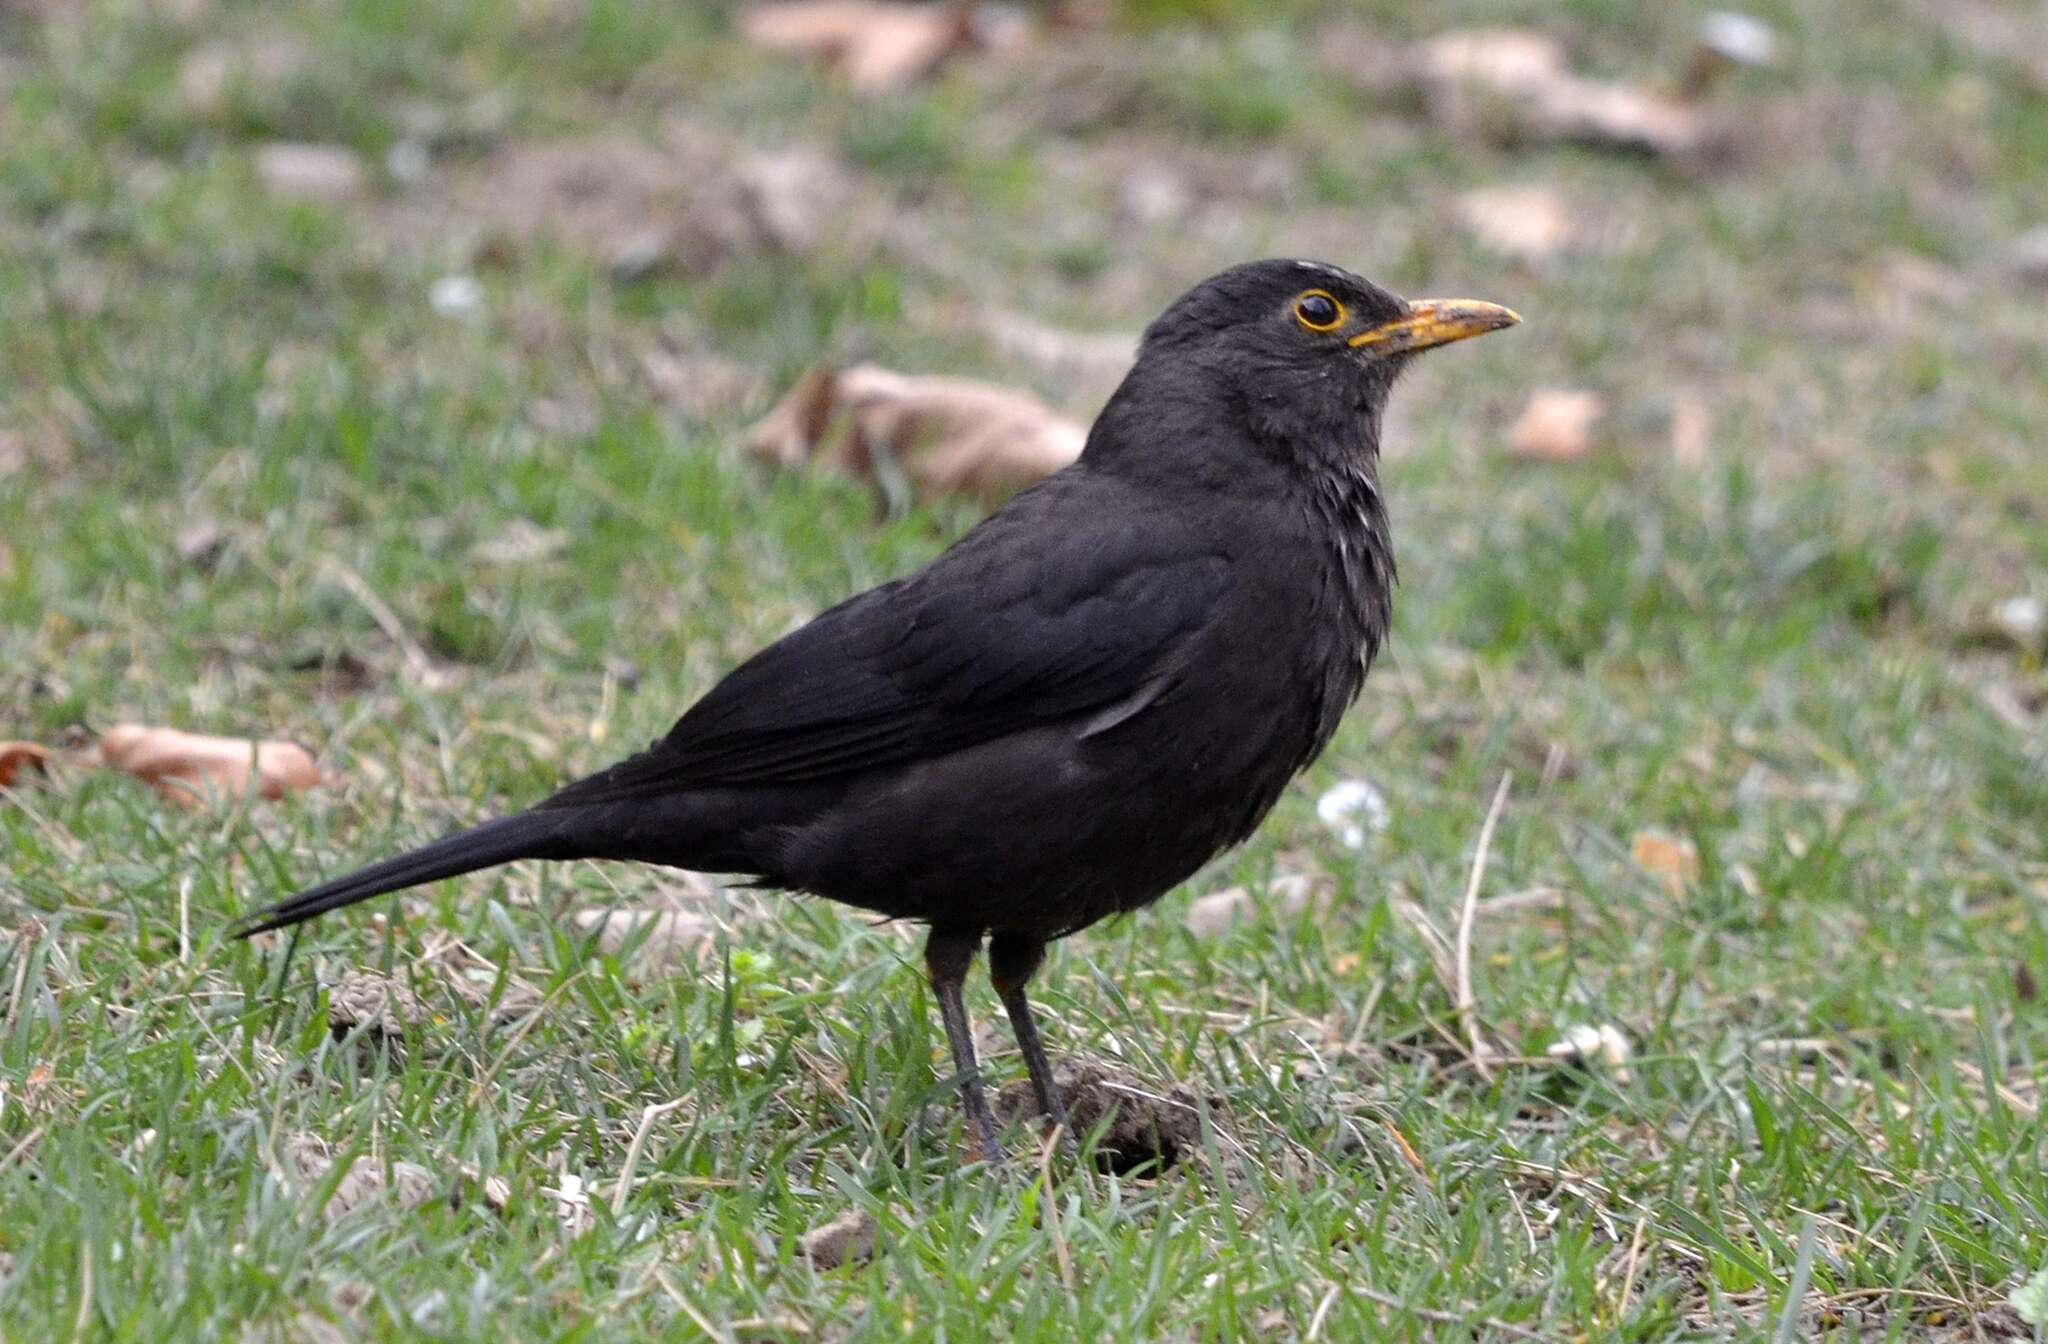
{"points": [[1317, 311]]}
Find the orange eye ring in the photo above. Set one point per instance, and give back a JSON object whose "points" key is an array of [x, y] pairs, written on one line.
{"points": [[1318, 310]]}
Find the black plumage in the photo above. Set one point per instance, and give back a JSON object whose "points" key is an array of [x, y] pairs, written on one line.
{"points": [[1085, 698]]}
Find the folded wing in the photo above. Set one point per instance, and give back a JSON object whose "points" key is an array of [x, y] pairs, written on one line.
{"points": [[1016, 627]]}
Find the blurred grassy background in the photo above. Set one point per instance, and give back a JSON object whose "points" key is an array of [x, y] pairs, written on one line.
{"points": [[432, 463]]}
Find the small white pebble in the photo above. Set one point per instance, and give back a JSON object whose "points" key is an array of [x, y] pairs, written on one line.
{"points": [[456, 296], [1742, 38], [2021, 619], [407, 162]]}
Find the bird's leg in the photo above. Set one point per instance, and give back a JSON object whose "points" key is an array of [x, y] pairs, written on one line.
{"points": [[1012, 960], [947, 955]]}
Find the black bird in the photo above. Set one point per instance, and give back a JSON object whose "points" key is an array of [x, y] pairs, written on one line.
{"points": [[1089, 695]]}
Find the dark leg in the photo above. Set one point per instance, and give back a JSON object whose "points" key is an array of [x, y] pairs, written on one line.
{"points": [[1012, 960], [947, 955]]}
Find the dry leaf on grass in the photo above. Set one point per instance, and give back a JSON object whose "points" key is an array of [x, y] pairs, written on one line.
{"points": [[1529, 223], [1520, 82], [18, 758], [190, 768], [1672, 860], [1556, 425], [848, 1239], [877, 45], [937, 436]]}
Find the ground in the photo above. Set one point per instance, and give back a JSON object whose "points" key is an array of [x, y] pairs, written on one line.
{"points": [[433, 466]]}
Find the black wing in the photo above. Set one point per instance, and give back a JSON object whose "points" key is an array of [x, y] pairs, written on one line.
{"points": [[1050, 610]]}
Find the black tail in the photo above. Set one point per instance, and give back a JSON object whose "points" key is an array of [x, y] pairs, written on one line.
{"points": [[526, 835]]}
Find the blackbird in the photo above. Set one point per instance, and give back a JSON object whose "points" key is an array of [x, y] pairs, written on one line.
{"points": [[1084, 699]]}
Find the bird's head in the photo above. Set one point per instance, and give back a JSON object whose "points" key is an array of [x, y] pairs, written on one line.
{"points": [[1304, 353]]}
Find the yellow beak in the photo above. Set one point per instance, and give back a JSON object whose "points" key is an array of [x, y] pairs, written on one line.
{"points": [[1433, 322]]}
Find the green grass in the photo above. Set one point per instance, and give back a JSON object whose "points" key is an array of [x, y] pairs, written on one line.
{"points": [[1779, 656]]}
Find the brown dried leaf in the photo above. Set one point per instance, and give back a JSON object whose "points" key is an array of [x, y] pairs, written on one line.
{"points": [[1672, 860], [1529, 223], [944, 435], [848, 1239], [17, 758], [877, 45], [190, 768], [1556, 425]]}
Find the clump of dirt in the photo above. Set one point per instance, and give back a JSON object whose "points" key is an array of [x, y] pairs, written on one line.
{"points": [[383, 1008], [847, 1240], [1145, 1127]]}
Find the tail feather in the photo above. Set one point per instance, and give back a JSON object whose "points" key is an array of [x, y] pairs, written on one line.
{"points": [[525, 835]]}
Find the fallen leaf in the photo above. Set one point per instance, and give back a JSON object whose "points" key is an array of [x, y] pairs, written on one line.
{"points": [[877, 45], [1672, 860], [17, 758], [323, 174], [671, 936], [189, 768], [848, 1239], [1520, 81], [1529, 223], [938, 436], [383, 1007], [1556, 425]]}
